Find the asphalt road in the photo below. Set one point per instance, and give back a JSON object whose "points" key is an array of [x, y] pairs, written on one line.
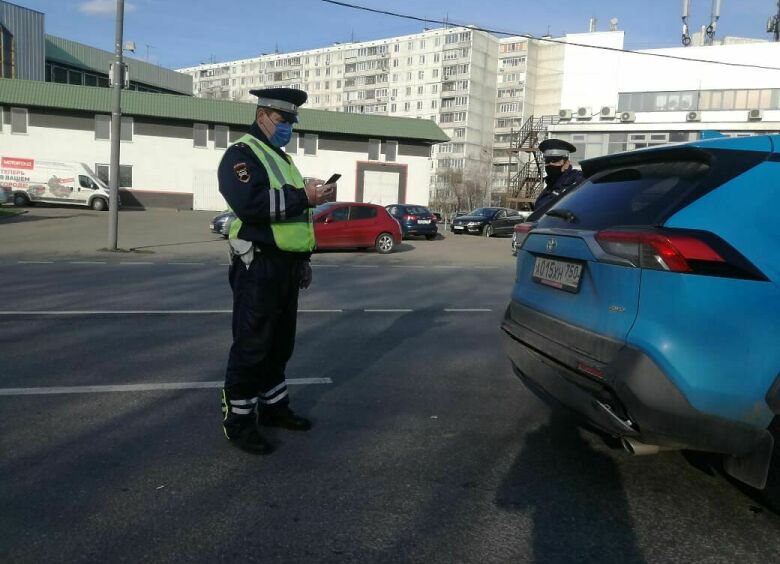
{"points": [[426, 448]]}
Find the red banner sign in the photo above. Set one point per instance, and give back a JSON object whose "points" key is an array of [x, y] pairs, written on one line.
{"points": [[11, 162]]}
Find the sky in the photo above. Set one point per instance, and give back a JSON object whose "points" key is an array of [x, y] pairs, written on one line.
{"points": [[183, 33]]}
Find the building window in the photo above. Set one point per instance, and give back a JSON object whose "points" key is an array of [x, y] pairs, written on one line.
{"points": [[125, 176], [310, 144], [103, 172], [7, 53], [221, 133], [126, 129], [391, 150], [292, 147], [102, 127], [200, 134], [373, 149], [18, 120]]}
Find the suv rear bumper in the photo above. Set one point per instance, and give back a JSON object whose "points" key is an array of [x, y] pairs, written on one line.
{"points": [[631, 398]]}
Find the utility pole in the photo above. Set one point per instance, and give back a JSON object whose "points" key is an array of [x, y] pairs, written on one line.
{"points": [[116, 129]]}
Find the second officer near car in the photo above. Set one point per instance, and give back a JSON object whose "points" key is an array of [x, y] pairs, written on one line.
{"points": [[271, 242], [560, 176]]}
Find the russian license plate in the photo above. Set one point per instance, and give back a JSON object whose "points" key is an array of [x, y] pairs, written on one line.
{"points": [[423, 221], [559, 274], [457, 227]]}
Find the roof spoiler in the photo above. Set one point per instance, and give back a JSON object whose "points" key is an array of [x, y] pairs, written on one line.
{"points": [[666, 153]]}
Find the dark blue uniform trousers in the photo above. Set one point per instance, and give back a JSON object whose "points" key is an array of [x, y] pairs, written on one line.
{"points": [[265, 310]]}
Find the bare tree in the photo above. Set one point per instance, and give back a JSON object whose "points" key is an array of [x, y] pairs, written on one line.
{"points": [[448, 194]]}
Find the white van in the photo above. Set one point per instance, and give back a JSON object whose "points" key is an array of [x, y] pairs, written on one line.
{"points": [[33, 180]]}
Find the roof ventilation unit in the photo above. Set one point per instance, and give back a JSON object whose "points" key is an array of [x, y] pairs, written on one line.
{"points": [[627, 117], [693, 116], [607, 112], [584, 113], [755, 115], [564, 114]]}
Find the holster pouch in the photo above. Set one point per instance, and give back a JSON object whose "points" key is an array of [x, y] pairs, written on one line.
{"points": [[243, 249]]}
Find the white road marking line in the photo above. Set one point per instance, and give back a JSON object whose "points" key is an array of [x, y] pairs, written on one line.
{"points": [[325, 265], [387, 310], [467, 310], [320, 311], [87, 262], [34, 262], [120, 312], [133, 263], [140, 387], [187, 263], [364, 266]]}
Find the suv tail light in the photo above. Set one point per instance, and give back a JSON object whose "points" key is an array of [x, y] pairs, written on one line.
{"points": [[693, 252], [521, 233], [409, 217]]}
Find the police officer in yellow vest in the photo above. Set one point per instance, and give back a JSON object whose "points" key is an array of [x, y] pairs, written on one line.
{"points": [[271, 242]]}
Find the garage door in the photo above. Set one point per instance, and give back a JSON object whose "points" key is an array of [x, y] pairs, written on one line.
{"points": [[205, 191], [380, 187]]}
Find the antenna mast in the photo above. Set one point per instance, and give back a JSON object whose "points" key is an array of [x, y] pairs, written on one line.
{"points": [[714, 17], [686, 37]]}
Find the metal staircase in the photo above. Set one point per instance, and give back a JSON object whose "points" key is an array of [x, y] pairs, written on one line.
{"points": [[528, 180]]}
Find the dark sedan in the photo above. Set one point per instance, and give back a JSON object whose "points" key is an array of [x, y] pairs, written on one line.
{"points": [[414, 220], [488, 222], [220, 224]]}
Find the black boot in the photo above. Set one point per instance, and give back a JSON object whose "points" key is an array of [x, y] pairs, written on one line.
{"points": [[283, 417], [249, 439], [241, 428]]}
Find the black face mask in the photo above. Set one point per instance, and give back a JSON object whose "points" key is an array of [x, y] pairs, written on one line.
{"points": [[553, 174]]}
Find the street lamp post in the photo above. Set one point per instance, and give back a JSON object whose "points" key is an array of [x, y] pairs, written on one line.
{"points": [[116, 129]]}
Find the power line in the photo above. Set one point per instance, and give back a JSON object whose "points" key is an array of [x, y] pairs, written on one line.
{"points": [[450, 23]]}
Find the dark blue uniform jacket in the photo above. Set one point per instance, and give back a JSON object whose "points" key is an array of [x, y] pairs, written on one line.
{"points": [[568, 180], [243, 182]]}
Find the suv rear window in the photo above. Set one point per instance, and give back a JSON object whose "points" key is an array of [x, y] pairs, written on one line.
{"points": [[644, 193], [418, 210]]}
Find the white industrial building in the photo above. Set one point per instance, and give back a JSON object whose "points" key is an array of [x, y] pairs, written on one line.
{"points": [[171, 145], [621, 101]]}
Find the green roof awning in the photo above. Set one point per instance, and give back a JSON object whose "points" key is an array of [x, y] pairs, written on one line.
{"points": [[30, 93]]}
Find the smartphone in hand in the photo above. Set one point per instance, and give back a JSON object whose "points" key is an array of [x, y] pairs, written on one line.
{"points": [[333, 178]]}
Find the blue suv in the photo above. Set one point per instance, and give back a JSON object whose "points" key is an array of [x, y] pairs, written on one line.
{"points": [[647, 299]]}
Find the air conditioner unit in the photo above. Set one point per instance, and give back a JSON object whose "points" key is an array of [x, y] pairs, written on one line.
{"points": [[584, 113], [627, 117], [755, 115], [564, 114], [607, 112], [693, 116]]}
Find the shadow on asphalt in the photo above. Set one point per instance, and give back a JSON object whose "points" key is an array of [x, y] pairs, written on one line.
{"points": [[402, 248], [182, 244], [24, 217], [574, 495]]}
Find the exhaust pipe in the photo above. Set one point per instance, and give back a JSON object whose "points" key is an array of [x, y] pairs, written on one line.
{"points": [[638, 448]]}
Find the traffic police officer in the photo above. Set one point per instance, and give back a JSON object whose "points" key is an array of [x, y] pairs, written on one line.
{"points": [[560, 175], [271, 241]]}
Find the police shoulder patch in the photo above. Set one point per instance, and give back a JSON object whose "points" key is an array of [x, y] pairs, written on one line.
{"points": [[242, 172]]}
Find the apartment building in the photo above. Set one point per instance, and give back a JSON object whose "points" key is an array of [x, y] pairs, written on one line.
{"points": [[444, 75], [479, 89]]}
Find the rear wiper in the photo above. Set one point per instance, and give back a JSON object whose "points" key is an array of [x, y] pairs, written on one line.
{"points": [[568, 215]]}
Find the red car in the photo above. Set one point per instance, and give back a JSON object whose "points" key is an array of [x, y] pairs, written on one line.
{"points": [[339, 225]]}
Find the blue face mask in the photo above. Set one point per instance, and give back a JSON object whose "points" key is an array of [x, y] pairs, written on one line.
{"points": [[282, 135]]}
